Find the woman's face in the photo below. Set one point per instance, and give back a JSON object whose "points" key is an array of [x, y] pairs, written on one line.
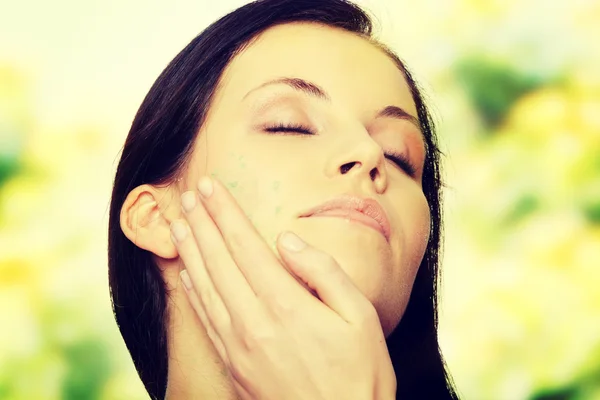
{"points": [[277, 176]]}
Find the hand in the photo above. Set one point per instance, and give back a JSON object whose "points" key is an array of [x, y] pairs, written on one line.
{"points": [[277, 340]]}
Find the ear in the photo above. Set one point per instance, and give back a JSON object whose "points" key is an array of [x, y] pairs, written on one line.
{"points": [[146, 217]]}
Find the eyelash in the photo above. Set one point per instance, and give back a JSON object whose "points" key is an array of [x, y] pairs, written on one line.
{"points": [[399, 159]]}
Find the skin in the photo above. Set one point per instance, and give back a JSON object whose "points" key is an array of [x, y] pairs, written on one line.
{"points": [[256, 314], [276, 177]]}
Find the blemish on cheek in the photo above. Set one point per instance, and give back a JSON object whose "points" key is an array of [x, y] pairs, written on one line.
{"points": [[232, 185], [277, 210], [242, 163], [276, 185], [274, 245]]}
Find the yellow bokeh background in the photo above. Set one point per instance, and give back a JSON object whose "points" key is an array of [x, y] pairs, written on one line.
{"points": [[515, 90]]}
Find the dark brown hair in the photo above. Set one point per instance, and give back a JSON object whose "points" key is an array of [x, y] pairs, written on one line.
{"points": [[158, 148]]}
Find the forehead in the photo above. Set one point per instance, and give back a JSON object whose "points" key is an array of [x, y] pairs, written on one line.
{"points": [[357, 74]]}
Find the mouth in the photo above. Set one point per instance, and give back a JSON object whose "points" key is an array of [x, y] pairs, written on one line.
{"points": [[354, 217], [366, 212]]}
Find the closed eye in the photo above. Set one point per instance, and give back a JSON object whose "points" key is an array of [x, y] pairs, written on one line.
{"points": [[297, 128], [402, 161], [399, 159]]}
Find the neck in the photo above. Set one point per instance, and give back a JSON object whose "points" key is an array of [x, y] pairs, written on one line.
{"points": [[196, 370]]}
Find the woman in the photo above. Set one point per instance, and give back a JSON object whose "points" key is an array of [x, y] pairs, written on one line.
{"points": [[286, 104]]}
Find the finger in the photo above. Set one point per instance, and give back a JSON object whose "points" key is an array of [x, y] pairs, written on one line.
{"points": [[232, 287], [194, 300], [252, 255], [323, 275], [216, 313], [242, 391]]}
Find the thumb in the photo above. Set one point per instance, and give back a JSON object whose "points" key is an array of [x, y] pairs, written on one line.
{"points": [[322, 275]]}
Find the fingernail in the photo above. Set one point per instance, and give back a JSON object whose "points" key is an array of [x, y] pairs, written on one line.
{"points": [[188, 201], [185, 278], [205, 187], [178, 230], [292, 242]]}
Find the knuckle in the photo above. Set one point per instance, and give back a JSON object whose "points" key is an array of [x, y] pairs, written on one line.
{"points": [[213, 306], [282, 308], [209, 299], [237, 240], [368, 313], [244, 325], [256, 339], [276, 307], [240, 371], [330, 262], [221, 321], [332, 267], [284, 311]]}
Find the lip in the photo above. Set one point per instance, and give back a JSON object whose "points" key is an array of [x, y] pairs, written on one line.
{"points": [[355, 208]]}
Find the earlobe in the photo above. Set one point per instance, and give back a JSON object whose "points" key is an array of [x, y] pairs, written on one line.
{"points": [[146, 222]]}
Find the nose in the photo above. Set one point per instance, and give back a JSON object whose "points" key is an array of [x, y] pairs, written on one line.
{"points": [[364, 158]]}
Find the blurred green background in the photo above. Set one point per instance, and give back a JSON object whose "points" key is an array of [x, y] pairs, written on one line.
{"points": [[514, 87]]}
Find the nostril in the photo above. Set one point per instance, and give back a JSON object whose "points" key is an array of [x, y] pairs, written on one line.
{"points": [[346, 167]]}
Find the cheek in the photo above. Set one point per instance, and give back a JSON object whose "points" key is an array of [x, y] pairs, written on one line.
{"points": [[262, 197], [418, 229], [416, 222], [245, 168]]}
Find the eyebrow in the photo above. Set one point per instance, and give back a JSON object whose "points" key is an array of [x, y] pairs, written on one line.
{"points": [[314, 90]]}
